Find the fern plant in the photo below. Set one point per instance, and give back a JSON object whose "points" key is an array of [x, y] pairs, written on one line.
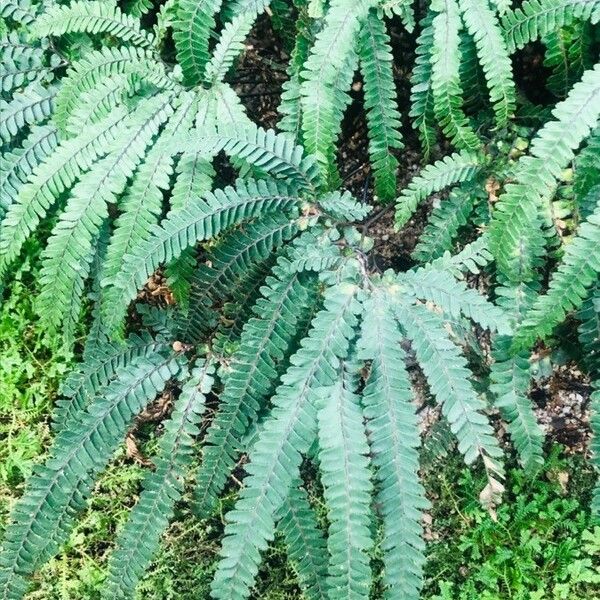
{"points": [[295, 376], [122, 138]]}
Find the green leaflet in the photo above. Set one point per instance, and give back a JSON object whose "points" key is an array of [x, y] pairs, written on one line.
{"points": [[510, 377], [231, 43], [444, 224], [454, 298], [100, 367]]}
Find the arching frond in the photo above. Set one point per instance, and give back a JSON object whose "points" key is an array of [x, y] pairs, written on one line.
{"points": [[445, 76], [516, 237], [383, 117], [456, 168], [17, 165], [44, 516], [183, 228], [394, 441], [70, 249], [51, 178], [483, 25], [535, 18], [347, 490], [91, 16], [139, 539], [578, 271], [288, 432], [265, 341]]}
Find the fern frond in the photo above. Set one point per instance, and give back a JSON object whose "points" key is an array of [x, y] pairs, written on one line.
{"points": [[536, 18], [33, 105], [483, 25], [516, 237], [450, 170], [510, 376], [343, 207], [393, 436], [140, 537], [17, 165], [231, 42], [289, 107], [304, 542], [50, 179], [448, 378], [445, 76], [421, 94], [569, 285], [184, 228], [96, 103], [143, 203], [101, 366], [265, 341], [402, 8], [43, 517], [195, 175], [191, 32], [70, 249], [21, 11], [347, 490], [91, 16], [27, 65], [273, 153], [471, 259], [100, 66], [137, 8], [444, 223], [383, 117], [454, 298], [287, 433], [331, 60], [227, 263]]}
